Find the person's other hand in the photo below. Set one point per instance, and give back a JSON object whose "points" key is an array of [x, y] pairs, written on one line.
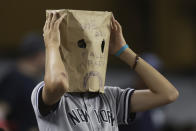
{"points": [[116, 38], [51, 29]]}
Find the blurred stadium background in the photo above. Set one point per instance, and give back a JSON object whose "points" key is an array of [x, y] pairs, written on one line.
{"points": [[164, 28]]}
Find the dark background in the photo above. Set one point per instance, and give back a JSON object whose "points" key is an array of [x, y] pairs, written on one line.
{"points": [[166, 28], [162, 26]]}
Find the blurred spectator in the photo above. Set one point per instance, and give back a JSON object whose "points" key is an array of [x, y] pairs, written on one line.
{"points": [[1, 129], [4, 110], [189, 127], [151, 120], [16, 87]]}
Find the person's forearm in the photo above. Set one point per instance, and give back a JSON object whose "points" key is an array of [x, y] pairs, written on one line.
{"points": [[55, 71], [152, 78]]}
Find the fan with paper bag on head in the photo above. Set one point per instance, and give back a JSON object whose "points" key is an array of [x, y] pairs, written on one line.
{"points": [[84, 48]]}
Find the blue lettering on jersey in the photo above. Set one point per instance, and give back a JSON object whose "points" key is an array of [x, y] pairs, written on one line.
{"points": [[83, 116], [80, 115]]}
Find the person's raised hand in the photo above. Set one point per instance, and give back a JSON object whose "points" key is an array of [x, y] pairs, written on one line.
{"points": [[51, 29], [116, 38]]}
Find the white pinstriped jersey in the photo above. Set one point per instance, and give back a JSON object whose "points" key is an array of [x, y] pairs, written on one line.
{"points": [[85, 111]]}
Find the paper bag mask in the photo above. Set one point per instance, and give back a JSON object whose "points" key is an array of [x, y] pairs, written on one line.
{"points": [[84, 47]]}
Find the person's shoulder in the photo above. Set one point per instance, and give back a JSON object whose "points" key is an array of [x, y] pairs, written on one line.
{"points": [[38, 86], [36, 91], [116, 90], [111, 90]]}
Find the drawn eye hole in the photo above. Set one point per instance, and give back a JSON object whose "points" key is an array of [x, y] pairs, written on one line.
{"points": [[82, 43], [102, 46]]}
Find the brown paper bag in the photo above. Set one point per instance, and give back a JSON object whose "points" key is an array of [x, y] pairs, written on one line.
{"points": [[84, 48]]}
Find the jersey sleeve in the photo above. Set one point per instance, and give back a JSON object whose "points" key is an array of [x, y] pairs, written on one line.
{"points": [[35, 98], [40, 108], [121, 98]]}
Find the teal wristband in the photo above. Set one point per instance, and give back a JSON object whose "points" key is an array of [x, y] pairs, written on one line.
{"points": [[121, 50]]}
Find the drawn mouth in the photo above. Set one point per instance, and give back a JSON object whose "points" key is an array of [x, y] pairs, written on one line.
{"points": [[93, 74]]}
